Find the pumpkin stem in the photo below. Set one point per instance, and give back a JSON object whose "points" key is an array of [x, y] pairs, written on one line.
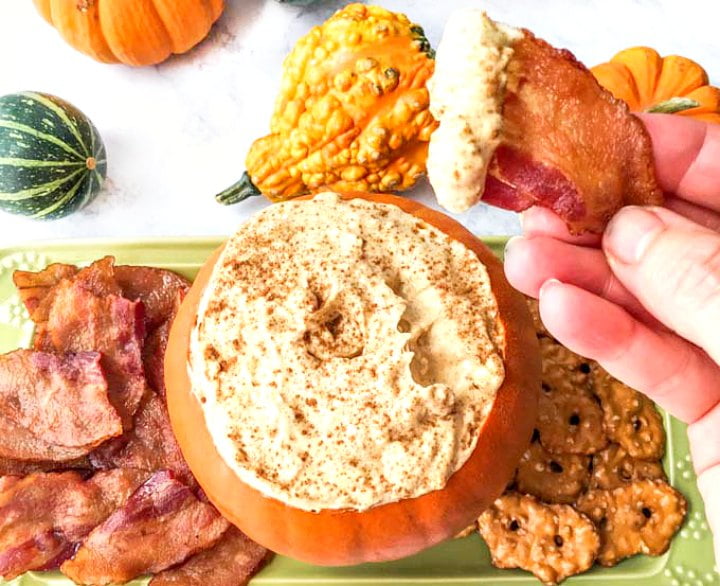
{"points": [[238, 192], [673, 105], [91, 163]]}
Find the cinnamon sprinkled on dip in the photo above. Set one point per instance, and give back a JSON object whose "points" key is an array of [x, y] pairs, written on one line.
{"points": [[346, 354]]}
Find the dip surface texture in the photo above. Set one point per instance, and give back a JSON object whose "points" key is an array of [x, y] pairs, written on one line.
{"points": [[466, 96], [346, 354]]}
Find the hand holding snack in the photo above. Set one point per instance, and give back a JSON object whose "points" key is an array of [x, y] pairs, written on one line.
{"points": [[645, 299]]}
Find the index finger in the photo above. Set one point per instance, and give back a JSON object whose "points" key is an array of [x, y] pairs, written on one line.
{"points": [[687, 157], [675, 374]]}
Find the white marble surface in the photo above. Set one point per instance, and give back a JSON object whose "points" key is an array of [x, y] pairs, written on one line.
{"points": [[178, 133]]}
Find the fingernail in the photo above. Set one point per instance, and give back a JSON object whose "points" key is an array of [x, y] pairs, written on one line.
{"points": [[509, 245], [630, 233], [547, 285]]}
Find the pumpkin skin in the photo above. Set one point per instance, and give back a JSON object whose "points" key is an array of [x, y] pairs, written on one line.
{"points": [[651, 83], [134, 32], [389, 531]]}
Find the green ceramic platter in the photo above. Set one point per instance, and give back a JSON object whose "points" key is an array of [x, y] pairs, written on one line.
{"points": [[688, 563]]}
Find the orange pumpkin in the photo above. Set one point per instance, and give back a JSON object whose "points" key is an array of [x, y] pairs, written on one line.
{"points": [[134, 32], [388, 531], [651, 83]]}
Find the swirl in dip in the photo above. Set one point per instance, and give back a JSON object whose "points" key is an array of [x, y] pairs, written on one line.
{"points": [[346, 354]]}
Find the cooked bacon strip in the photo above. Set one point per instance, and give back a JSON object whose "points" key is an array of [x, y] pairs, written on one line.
{"points": [[44, 516], [149, 446], [158, 289], [231, 562], [567, 143], [54, 407], [161, 525], [38, 289], [155, 347], [161, 292], [10, 467], [116, 486], [34, 287], [81, 321], [154, 356], [19, 443]]}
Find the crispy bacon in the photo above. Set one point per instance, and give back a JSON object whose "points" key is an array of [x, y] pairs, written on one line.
{"points": [[154, 356], [231, 562], [155, 347], [80, 321], [161, 292], [34, 287], [158, 289], [10, 467], [44, 516], [38, 289], [149, 446], [53, 407], [116, 486], [567, 143], [161, 525]]}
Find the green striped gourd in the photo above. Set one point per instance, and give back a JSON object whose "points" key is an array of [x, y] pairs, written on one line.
{"points": [[52, 159]]}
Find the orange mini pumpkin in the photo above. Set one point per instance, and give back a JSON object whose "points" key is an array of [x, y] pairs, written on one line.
{"points": [[651, 83], [134, 32], [388, 531]]}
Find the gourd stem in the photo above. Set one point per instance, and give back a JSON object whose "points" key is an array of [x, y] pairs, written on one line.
{"points": [[673, 105], [238, 192]]}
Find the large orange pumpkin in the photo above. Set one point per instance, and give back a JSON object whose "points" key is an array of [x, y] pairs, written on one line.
{"points": [[134, 32], [651, 83], [389, 531]]}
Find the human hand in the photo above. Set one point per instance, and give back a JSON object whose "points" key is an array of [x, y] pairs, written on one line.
{"points": [[644, 299]]}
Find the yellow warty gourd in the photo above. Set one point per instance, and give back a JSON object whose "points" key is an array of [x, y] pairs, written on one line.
{"points": [[352, 114]]}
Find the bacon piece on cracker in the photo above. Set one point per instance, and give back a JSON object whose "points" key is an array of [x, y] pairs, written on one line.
{"points": [[161, 525], [54, 408]]}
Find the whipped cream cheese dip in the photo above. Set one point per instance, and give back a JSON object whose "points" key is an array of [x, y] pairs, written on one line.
{"points": [[467, 91], [346, 354]]}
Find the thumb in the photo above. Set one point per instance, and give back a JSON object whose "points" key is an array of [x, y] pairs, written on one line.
{"points": [[672, 266]]}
